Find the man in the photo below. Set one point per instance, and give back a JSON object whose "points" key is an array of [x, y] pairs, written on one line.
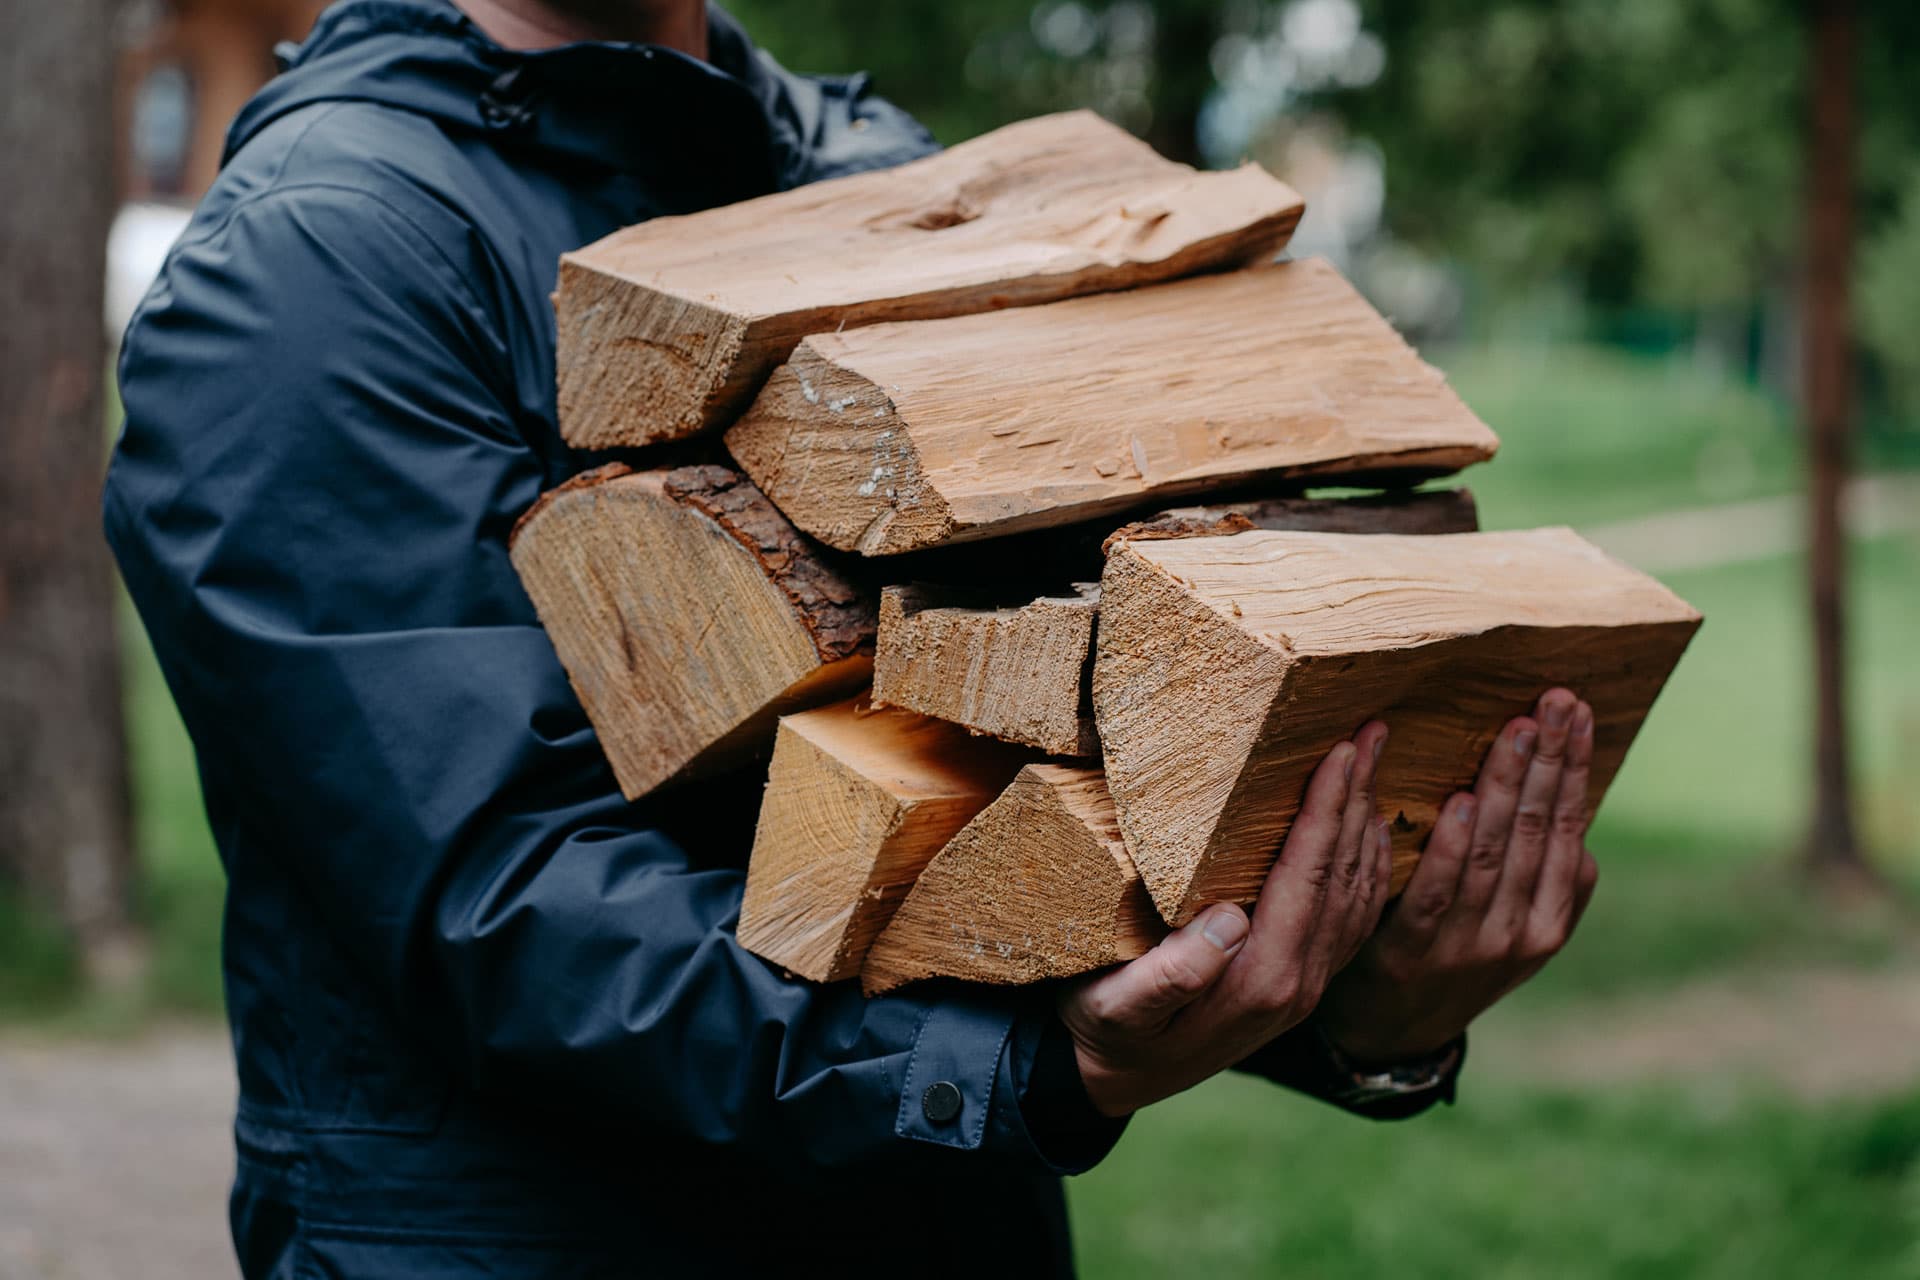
{"points": [[489, 1018]]}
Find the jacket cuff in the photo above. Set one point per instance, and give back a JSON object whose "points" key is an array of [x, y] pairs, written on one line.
{"points": [[954, 1072], [999, 1074], [1066, 1131]]}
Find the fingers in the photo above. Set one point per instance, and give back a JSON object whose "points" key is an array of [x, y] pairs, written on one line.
{"points": [[1356, 828], [1551, 918], [1359, 853], [1378, 884], [1533, 815], [1140, 997], [1290, 902], [1304, 916], [1430, 894], [1496, 795], [1583, 886]]}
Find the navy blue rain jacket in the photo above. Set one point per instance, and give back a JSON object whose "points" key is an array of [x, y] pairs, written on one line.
{"points": [[490, 1018]]}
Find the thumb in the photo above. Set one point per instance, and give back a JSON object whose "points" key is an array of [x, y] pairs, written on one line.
{"points": [[1145, 993]]}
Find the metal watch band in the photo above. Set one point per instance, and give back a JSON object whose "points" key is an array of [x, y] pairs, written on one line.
{"points": [[1357, 1086]]}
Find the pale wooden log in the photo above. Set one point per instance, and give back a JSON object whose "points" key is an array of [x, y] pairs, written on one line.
{"points": [[1037, 886], [669, 327], [858, 800], [1024, 673], [899, 437], [1227, 667], [689, 615], [1016, 673]]}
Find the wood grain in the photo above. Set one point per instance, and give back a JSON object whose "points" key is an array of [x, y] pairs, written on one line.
{"points": [[1025, 672], [1227, 667], [689, 615], [899, 437], [1037, 886], [858, 800], [1016, 673], [668, 328]]}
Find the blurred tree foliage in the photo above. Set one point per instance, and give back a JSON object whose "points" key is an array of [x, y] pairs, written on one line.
{"points": [[1645, 152]]}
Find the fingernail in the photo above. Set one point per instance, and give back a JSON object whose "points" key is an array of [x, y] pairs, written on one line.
{"points": [[1379, 745], [1583, 721], [1384, 834], [1224, 927], [1463, 811], [1558, 713], [1523, 742], [1349, 766]]}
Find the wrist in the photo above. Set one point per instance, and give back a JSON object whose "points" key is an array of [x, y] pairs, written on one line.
{"points": [[1406, 1073], [1370, 1029], [1376, 1051]]}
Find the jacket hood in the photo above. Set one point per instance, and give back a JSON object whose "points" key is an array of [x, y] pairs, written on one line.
{"points": [[602, 103]]}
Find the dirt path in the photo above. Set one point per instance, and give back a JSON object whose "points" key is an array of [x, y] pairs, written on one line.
{"points": [[1812, 1034], [115, 1158], [1759, 529]]}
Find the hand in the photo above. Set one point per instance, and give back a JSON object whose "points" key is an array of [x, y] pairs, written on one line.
{"points": [[1223, 986], [1505, 878]]}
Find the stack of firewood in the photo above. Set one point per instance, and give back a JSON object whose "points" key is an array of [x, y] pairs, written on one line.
{"points": [[1014, 736]]}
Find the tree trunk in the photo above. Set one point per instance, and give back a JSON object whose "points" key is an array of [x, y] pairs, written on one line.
{"points": [[1183, 76], [64, 813], [1833, 847]]}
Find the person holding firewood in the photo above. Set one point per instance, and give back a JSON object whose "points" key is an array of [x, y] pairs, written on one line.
{"points": [[489, 1017]]}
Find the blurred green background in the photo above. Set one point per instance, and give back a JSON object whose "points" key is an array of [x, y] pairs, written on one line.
{"points": [[1590, 216]]}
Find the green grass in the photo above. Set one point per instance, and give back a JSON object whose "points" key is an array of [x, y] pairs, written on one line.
{"points": [[182, 892], [1227, 1180], [1588, 434]]}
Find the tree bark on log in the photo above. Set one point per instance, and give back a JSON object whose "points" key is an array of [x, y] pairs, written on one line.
{"points": [[65, 828], [689, 615]]}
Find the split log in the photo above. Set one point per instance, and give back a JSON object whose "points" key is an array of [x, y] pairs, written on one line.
{"points": [[1037, 886], [1018, 673], [1431, 511], [1227, 667], [669, 327], [1025, 673], [899, 437], [689, 615], [858, 800]]}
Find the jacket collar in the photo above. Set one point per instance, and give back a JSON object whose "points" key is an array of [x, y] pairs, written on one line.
{"points": [[628, 107]]}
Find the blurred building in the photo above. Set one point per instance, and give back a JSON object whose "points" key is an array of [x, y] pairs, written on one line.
{"points": [[186, 69]]}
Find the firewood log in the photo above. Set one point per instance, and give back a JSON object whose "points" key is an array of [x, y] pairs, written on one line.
{"points": [[899, 437], [1037, 886], [668, 328], [1016, 673], [688, 614], [858, 800], [1025, 672], [1227, 667]]}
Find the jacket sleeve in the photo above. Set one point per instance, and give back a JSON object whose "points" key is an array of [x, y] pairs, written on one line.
{"points": [[310, 503]]}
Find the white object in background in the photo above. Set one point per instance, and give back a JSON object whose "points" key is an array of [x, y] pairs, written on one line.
{"points": [[136, 247]]}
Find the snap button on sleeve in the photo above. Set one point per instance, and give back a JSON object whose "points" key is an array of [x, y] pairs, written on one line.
{"points": [[941, 1102]]}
